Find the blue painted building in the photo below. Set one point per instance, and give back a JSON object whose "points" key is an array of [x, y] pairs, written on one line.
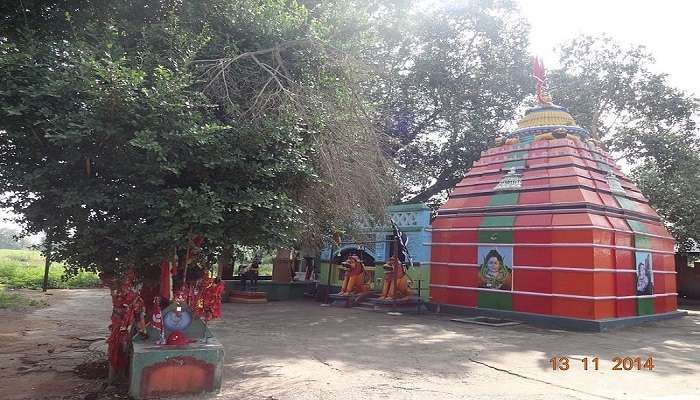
{"points": [[373, 245]]}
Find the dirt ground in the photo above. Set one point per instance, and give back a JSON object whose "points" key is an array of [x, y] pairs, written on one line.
{"points": [[40, 349], [300, 350]]}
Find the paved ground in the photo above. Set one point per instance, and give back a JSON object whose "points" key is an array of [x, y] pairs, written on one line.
{"points": [[300, 350]]}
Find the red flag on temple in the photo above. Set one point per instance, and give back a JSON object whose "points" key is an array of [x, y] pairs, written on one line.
{"points": [[539, 74]]}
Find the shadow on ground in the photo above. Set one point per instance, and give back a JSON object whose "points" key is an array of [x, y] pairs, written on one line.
{"points": [[301, 350]]}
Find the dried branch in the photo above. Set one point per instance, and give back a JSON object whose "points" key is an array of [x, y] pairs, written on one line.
{"points": [[354, 178]]}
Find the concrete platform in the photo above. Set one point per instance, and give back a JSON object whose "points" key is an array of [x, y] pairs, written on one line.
{"points": [[248, 297], [408, 302], [352, 300], [275, 291]]}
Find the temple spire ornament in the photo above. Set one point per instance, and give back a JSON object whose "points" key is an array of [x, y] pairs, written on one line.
{"points": [[541, 86], [511, 180], [614, 183]]}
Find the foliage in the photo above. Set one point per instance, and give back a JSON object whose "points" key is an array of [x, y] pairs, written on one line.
{"points": [[612, 91], [118, 146], [672, 192], [25, 269], [451, 79]]}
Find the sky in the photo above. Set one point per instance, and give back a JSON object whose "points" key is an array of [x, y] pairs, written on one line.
{"points": [[669, 29]]}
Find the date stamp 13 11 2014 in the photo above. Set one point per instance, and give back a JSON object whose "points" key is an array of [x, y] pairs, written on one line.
{"points": [[564, 363]]}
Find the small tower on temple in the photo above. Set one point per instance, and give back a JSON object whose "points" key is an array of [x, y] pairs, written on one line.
{"points": [[545, 227]]}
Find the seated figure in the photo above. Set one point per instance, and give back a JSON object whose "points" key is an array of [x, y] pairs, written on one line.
{"points": [[395, 280], [249, 273], [354, 281]]}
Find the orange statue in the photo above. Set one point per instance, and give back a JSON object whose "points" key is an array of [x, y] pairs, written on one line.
{"points": [[354, 277], [395, 280]]}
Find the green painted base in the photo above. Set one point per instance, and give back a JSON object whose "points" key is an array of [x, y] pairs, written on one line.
{"points": [[645, 306], [495, 300]]}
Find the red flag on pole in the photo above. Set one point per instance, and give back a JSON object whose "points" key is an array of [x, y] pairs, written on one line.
{"points": [[540, 75]]}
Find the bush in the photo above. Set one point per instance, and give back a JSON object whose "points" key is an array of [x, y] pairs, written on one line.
{"points": [[25, 269]]}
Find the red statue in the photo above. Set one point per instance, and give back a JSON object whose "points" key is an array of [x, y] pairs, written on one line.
{"points": [[354, 281], [395, 280]]}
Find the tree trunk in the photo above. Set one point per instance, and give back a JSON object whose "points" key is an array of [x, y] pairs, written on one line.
{"points": [[47, 264], [225, 264]]}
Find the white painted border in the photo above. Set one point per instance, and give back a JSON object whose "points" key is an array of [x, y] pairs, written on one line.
{"points": [[594, 245], [547, 228], [552, 268], [572, 296]]}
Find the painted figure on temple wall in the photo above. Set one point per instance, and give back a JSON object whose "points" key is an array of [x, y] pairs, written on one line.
{"points": [[395, 280], [494, 273], [644, 274], [354, 281]]}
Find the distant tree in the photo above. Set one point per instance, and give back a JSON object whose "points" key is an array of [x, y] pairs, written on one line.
{"points": [[10, 239], [611, 90], [450, 78]]}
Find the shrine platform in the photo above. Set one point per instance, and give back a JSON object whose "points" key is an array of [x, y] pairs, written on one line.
{"points": [[406, 303], [350, 301], [192, 368], [248, 297], [275, 291]]}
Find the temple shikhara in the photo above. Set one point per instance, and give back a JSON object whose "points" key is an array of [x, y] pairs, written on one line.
{"points": [[545, 223]]}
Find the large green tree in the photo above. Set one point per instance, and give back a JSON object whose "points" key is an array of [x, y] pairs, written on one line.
{"points": [[450, 78], [129, 126], [613, 91]]}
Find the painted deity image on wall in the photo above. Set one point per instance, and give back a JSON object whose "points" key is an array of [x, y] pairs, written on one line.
{"points": [[495, 270], [645, 276]]}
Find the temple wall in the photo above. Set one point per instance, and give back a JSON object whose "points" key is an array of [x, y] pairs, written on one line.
{"points": [[572, 235]]}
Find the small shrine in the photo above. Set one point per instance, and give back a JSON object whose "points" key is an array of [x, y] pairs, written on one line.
{"points": [[159, 339], [179, 355], [546, 227]]}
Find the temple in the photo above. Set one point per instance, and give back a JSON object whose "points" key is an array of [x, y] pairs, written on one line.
{"points": [[545, 227]]}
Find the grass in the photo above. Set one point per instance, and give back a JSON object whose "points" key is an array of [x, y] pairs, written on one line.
{"points": [[17, 301], [25, 269]]}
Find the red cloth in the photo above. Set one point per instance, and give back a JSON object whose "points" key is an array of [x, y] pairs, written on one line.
{"points": [[126, 307], [216, 307]]}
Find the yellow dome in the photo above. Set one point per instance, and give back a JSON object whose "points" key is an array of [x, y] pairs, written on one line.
{"points": [[546, 116]]}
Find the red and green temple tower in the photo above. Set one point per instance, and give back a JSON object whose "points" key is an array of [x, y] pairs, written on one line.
{"points": [[546, 226]]}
